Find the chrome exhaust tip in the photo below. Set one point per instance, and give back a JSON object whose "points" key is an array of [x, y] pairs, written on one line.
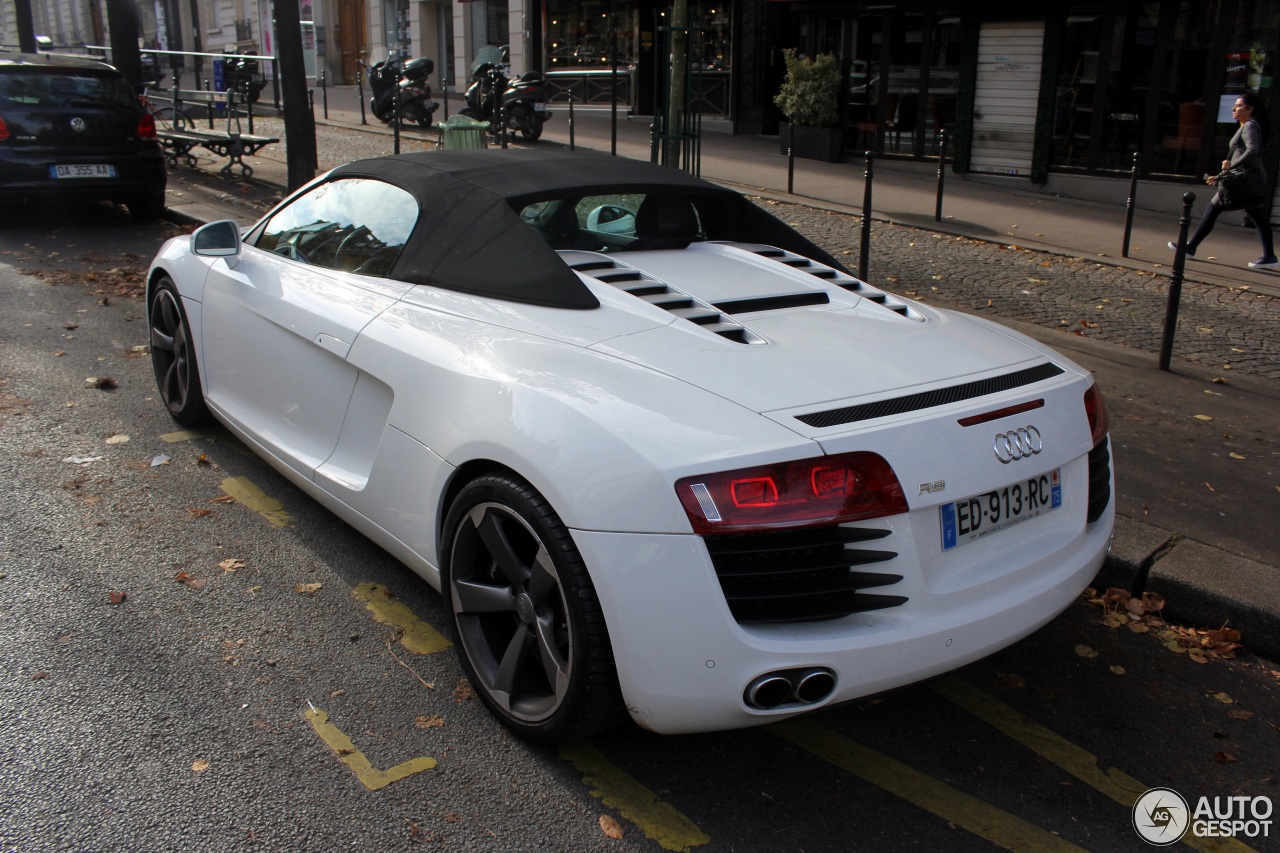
{"points": [[815, 685], [768, 692]]}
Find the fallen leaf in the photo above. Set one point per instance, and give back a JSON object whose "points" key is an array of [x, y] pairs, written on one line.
{"points": [[116, 597], [1086, 652], [157, 461], [231, 564], [1210, 487], [118, 438], [1237, 456], [307, 588], [429, 721], [1203, 418], [1224, 758], [1118, 670], [102, 383], [464, 692], [1224, 698], [201, 765], [1010, 680], [610, 827], [182, 577], [1238, 714]]}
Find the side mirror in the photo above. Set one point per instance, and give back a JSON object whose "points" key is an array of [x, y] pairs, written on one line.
{"points": [[612, 219], [217, 240]]}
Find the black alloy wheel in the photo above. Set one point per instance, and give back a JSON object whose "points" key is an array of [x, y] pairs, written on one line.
{"points": [[173, 359], [520, 118], [531, 634]]}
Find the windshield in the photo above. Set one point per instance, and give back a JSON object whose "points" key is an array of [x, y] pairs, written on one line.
{"points": [[61, 87], [487, 55]]}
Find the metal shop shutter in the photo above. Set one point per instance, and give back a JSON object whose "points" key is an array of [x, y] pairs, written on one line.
{"points": [[1004, 115]]}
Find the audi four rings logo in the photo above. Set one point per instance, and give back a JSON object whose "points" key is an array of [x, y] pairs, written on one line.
{"points": [[1017, 444]]}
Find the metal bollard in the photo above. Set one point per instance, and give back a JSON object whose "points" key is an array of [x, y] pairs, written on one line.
{"points": [[360, 91], [311, 102], [324, 95], [864, 250], [791, 159], [208, 104], [1129, 205], [571, 146], [444, 96], [395, 119], [942, 171], [1175, 282], [500, 115]]}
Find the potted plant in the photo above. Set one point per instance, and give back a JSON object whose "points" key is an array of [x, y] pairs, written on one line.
{"points": [[810, 99]]}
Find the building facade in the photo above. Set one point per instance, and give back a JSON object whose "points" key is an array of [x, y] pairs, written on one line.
{"points": [[1056, 94]]}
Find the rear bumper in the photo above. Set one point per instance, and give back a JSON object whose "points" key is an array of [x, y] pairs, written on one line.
{"points": [[31, 177], [684, 663]]}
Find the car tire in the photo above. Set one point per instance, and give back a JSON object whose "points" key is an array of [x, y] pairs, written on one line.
{"points": [[173, 358], [531, 633], [147, 208]]}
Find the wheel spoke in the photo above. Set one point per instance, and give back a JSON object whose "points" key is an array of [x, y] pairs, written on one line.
{"points": [[172, 387], [553, 662], [494, 535], [160, 340], [542, 577], [504, 681], [472, 597]]}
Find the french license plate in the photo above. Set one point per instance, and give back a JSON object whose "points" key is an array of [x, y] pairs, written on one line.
{"points": [[539, 107], [973, 518], [83, 170]]}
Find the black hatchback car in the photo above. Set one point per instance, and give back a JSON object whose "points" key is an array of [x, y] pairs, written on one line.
{"points": [[73, 128]]}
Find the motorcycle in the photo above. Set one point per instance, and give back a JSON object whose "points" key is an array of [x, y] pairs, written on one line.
{"points": [[524, 99], [410, 79]]}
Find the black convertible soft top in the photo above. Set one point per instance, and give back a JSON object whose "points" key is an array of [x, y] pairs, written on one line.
{"points": [[469, 236]]}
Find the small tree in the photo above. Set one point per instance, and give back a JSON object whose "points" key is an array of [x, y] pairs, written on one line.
{"points": [[810, 93]]}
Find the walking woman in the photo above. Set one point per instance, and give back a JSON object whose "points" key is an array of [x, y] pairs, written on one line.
{"points": [[1246, 154]]}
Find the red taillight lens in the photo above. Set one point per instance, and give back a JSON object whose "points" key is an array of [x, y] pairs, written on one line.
{"points": [[1096, 410], [146, 126], [826, 490], [4, 130]]}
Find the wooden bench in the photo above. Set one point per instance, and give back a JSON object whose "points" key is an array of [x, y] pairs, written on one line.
{"points": [[180, 140]]}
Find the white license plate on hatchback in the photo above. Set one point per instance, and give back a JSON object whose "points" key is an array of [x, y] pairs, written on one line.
{"points": [[974, 518], [83, 170]]}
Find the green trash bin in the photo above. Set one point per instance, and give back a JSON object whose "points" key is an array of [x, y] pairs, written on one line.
{"points": [[463, 132]]}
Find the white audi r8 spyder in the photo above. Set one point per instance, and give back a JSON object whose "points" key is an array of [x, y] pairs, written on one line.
{"points": [[680, 463]]}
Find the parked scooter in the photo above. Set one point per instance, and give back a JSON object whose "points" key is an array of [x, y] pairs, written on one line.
{"points": [[410, 78], [524, 100]]}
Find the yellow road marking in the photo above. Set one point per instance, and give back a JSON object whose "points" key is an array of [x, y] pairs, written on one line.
{"points": [[245, 492], [659, 821], [214, 434], [1080, 763], [416, 636], [370, 776], [983, 819]]}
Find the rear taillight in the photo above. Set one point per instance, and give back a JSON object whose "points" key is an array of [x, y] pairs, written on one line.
{"points": [[4, 130], [1096, 411], [826, 490], [146, 126]]}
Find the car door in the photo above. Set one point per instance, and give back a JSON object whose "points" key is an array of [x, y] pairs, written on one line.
{"points": [[277, 323]]}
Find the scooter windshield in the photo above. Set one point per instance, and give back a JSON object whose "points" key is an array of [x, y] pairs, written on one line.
{"points": [[487, 55]]}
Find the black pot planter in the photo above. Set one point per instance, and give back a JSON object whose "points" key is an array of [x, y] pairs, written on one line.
{"points": [[812, 143]]}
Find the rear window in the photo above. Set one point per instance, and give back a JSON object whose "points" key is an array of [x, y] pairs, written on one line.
{"points": [[62, 87]]}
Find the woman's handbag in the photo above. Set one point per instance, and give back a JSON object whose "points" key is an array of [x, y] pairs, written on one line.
{"points": [[1240, 188]]}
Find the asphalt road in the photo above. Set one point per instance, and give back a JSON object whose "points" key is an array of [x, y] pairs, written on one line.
{"points": [[187, 670]]}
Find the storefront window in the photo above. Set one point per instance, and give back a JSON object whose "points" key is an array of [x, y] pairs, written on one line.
{"points": [[1146, 78], [900, 98]]}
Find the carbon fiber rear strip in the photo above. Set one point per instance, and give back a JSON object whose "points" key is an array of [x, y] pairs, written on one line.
{"points": [[929, 399]]}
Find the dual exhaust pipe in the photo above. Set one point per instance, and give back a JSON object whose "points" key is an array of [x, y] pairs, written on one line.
{"points": [[790, 687]]}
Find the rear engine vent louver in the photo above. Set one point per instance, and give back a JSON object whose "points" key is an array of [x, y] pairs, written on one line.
{"points": [[801, 576], [839, 279], [662, 295], [930, 399]]}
